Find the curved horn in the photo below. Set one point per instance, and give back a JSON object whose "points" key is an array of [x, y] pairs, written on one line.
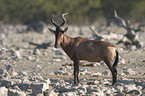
{"points": [[52, 21], [64, 20]]}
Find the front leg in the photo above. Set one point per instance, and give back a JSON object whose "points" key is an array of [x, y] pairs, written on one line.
{"points": [[76, 69]]}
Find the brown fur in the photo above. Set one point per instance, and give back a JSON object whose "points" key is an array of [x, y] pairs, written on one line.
{"points": [[90, 50]]}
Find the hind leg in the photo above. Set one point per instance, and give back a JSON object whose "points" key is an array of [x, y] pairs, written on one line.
{"points": [[112, 69]]}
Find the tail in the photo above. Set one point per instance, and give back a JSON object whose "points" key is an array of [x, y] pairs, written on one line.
{"points": [[116, 59]]}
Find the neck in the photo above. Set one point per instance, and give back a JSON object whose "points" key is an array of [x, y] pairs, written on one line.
{"points": [[67, 45]]}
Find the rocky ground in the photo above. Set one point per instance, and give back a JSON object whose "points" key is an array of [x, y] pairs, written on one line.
{"points": [[30, 65]]}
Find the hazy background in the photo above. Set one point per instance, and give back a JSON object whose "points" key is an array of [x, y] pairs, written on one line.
{"points": [[84, 12]]}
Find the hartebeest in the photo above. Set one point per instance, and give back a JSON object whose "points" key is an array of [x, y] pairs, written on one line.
{"points": [[83, 49]]}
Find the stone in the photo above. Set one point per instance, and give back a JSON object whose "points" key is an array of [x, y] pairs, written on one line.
{"points": [[16, 87], [83, 70], [130, 87], [67, 73], [59, 72], [68, 94], [10, 69], [24, 86], [14, 74], [22, 74], [96, 74], [105, 73], [50, 93], [88, 73], [56, 60], [38, 77], [36, 51], [3, 91], [110, 91], [37, 67], [134, 93], [93, 82], [122, 61], [58, 52], [82, 73], [9, 82], [12, 92], [129, 71], [4, 73], [39, 87], [12, 52], [119, 87], [62, 68], [47, 80], [126, 81], [6, 82], [18, 54]]}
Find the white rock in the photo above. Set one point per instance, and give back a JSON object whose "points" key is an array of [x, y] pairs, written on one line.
{"points": [[47, 80], [36, 52], [38, 77], [14, 74], [22, 74], [82, 73], [18, 54], [130, 87], [3, 91], [69, 94], [122, 74], [37, 67], [83, 70], [98, 64], [129, 71], [122, 61], [57, 60], [97, 74]]}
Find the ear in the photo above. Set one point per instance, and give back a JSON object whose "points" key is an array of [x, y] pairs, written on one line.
{"points": [[65, 30], [51, 30]]}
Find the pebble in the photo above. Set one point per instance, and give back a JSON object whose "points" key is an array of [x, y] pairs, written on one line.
{"points": [[36, 51]]}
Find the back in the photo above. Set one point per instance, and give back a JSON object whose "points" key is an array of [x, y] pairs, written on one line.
{"points": [[91, 50]]}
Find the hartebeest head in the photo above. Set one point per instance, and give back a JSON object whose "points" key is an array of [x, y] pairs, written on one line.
{"points": [[58, 31]]}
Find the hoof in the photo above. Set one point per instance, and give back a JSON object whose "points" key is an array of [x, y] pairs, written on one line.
{"points": [[114, 83]]}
